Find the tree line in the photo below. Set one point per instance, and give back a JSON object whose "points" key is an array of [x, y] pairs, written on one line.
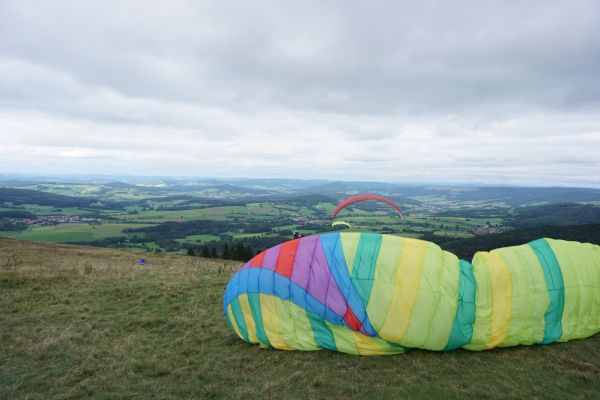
{"points": [[236, 251]]}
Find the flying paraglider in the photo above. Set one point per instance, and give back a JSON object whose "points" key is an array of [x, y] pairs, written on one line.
{"points": [[371, 294], [365, 197], [336, 223]]}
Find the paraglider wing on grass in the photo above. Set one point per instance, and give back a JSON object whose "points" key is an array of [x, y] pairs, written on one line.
{"points": [[371, 294]]}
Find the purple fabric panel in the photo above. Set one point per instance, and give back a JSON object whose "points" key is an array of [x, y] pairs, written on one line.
{"points": [[302, 262], [311, 272], [271, 256], [321, 284], [335, 299]]}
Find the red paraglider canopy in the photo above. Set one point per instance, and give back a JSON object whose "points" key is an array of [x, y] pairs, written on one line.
{"points": [[365, 197]]}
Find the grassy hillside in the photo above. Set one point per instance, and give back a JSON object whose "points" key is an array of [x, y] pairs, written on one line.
{"points": [[79, 322]]}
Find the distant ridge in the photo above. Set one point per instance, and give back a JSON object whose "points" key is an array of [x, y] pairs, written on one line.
{"points": [[29, 196]]}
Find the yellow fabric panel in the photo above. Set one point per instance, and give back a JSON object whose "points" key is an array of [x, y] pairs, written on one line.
{"points": [[580, 267], [501, 297], [483, 304], [443, 316], [344, 339], [408, 279], [365, 345], [428, 328], [385, 280], [271, 322], [294, 325], [529, 295], [572, 281], [297, 334], [248, 318], [593, 262], [232, 319], [350, 244], [370, 346], [352, 342]]}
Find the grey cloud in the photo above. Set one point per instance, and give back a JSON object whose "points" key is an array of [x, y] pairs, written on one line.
{"points": [[359, 58], [503, 90]]}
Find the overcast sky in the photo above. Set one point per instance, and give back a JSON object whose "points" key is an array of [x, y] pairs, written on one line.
{"points": [[451, 91]]}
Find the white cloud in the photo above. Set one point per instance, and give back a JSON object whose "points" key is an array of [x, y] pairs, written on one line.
{"points": [[456, 92]]}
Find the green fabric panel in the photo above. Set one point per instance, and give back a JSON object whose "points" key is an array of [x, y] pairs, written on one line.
{"points": [[529, 295], [294, 326], [323, 335], [365, 261], [556, 290], [385, 280], [352, 342], [384, 347], [254, 300], [442, 320], [580, 268], [483, 304], [344, 339], [236, 309], [350, 242], [396, 345], [462, 329]]}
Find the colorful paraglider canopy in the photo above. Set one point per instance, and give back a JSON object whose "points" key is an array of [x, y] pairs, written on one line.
{"points": [[365, 197], [336, 223], [369, 293]]}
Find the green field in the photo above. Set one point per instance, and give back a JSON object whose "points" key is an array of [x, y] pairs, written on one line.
{"points": [[70, 232], [411, 226], [201, 238], [183, 215], [263, 209], [50, 210], [79, 322], [215, 213]]}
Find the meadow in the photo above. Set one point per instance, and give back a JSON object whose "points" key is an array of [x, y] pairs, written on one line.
{"points": [[119, 222], [79, 322], [72, 232]]}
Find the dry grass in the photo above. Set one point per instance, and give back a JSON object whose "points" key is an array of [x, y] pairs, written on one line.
{"points": [[80, 322]]}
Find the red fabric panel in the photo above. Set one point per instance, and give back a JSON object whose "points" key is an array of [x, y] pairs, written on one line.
{"points": [[285, 262], [351, 320], [258, 260]]}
